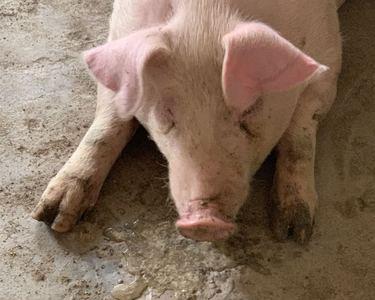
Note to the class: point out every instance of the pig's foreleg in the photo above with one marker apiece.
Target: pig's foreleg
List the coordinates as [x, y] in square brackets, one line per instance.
[294, 195]
[76, 186]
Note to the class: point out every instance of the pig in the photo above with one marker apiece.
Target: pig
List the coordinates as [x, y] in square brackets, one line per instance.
[218, 84]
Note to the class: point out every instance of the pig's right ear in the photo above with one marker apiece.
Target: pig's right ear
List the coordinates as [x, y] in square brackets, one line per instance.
[119, 65]
[259, 60]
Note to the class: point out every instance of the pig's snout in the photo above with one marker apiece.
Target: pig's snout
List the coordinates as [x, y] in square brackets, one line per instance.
[205, 224]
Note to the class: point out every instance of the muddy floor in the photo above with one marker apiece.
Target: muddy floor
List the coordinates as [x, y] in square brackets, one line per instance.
[47, 102]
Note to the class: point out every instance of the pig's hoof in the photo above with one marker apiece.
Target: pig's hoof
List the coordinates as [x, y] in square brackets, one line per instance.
[295, 221]
[64, 201]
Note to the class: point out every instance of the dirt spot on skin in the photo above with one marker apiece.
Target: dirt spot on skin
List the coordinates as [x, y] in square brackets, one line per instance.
[298, 149]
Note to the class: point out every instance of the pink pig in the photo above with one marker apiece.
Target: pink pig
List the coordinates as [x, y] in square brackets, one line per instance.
[217, 84]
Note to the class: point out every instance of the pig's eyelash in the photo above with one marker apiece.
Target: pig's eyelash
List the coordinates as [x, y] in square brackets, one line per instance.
[256, 107]
[170, 127]
[245, 128]
[172, 122]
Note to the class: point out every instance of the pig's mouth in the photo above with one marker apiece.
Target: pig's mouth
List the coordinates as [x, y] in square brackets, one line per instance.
[205, 224]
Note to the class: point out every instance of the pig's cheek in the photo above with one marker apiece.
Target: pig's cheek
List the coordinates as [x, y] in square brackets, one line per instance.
[178, 189]
[236, 188]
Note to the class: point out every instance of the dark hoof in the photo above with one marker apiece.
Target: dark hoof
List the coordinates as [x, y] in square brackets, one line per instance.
[294, 221]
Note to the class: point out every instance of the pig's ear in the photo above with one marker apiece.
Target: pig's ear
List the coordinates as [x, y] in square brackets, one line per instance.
[258, 60]
[119, 65]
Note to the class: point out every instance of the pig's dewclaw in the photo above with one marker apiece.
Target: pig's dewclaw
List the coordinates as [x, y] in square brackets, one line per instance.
[64, 201]
[294, 221]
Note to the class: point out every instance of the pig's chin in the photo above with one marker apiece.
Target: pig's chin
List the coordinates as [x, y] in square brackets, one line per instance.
[205, 222]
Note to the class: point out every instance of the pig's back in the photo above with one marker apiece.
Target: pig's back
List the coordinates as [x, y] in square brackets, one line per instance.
[310, 25]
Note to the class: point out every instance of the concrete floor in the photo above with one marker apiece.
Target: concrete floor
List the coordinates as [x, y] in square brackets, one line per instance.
[46, 104]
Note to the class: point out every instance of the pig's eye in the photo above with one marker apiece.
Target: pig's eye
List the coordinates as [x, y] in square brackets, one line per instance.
[246, 129]
[246, 122]
[166, 121]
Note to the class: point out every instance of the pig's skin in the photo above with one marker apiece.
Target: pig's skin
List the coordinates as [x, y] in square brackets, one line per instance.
[310, 25]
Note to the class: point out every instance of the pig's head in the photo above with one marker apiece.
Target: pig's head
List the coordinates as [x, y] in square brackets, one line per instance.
[201, 101]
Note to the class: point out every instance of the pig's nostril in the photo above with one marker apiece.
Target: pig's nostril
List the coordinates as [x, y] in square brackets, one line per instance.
[207, 228]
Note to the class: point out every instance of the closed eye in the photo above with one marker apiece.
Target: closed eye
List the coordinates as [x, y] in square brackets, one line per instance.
[169, 128]
[247, 116]
[169, 122]
[245, 128]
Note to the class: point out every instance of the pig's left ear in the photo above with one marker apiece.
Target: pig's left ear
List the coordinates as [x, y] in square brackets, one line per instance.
[119, 65]
[259, 60]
